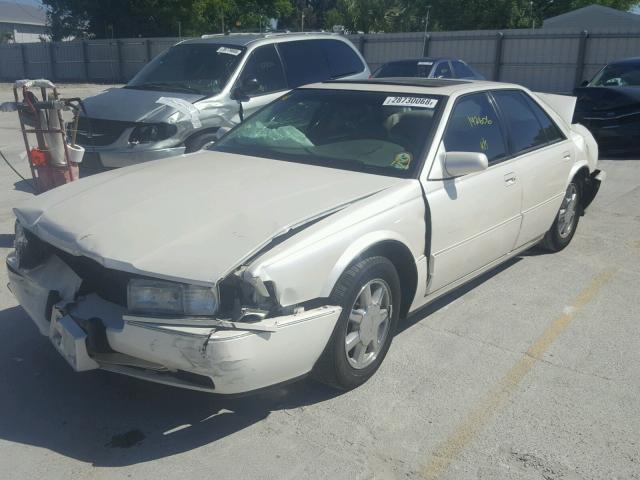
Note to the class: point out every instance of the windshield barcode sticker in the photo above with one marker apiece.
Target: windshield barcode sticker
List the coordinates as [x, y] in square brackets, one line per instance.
[229, 51]
[411, 102]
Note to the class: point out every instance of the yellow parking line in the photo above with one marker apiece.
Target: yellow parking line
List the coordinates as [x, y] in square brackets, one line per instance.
[465, 433]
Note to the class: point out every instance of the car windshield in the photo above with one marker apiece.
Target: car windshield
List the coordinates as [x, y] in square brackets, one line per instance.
[620, 75]
[202, 69]
[383, 133]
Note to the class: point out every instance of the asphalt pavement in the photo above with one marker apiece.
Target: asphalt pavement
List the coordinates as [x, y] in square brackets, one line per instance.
[530, 372]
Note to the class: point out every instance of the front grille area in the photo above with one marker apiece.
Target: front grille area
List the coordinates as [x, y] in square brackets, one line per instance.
[93, 132]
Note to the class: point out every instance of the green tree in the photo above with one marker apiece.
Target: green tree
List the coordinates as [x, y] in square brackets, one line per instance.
[495, 14]
[152, 18]
[149, 18]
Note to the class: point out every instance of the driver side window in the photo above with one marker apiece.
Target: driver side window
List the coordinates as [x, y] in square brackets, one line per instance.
[263, 74]
[474, 126]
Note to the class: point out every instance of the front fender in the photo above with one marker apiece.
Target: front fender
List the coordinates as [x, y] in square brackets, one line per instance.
[307, 265]
[356, 250]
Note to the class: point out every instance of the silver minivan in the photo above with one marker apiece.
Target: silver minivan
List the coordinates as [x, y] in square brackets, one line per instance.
[179, 100]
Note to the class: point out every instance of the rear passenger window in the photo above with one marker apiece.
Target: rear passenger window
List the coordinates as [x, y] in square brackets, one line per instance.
[305, 62]
[525, 130]
[462, 71]
[551, 130]
[474, 127]
[342, 59]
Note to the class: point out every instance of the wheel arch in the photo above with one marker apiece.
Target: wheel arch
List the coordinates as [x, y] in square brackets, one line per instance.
[198, 133]
[388, 246]
[581, 173]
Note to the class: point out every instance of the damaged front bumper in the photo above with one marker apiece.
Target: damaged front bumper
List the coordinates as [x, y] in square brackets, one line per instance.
[91, 333]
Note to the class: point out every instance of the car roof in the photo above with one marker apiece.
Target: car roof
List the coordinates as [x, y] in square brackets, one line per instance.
[433, 86]
[626, 61]
[420, 59]
[244, 39]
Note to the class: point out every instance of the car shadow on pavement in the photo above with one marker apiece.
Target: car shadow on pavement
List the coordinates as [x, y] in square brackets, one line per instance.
[111, 420]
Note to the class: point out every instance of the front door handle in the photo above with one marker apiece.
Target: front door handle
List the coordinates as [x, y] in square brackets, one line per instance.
[510, 179]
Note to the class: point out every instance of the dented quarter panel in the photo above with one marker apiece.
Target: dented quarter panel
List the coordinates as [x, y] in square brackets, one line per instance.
[320, 253]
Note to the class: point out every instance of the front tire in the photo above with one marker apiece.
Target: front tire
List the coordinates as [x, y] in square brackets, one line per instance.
[566, 222]
[369, 294]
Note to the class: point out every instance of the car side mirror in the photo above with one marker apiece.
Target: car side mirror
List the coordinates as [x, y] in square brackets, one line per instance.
[584, 83]
[238, 94]
[461, 163]
[221, 132]
[250, 86]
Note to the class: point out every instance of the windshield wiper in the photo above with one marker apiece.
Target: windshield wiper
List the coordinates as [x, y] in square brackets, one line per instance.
[165, 86]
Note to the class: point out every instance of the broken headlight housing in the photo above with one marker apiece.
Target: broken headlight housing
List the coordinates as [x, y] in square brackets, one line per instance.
[152, 132]
[159, 297]
[247, 299]
[30, 250]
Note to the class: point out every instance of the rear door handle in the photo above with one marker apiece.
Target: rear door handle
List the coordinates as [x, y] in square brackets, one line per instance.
[510, 179]
[566, 156]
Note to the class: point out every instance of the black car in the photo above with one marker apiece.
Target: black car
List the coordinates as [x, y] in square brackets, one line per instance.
[609, 106]
[427, 68]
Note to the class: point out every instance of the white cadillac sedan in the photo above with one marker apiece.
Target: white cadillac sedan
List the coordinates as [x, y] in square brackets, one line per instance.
[298, 244]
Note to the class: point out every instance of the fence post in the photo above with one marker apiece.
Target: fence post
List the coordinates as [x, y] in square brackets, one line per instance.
[52, 60]
[425, 46]
[23, 48]
[497, 60]
[120, 76]
[148, 49]
[582, 51]
[361, 42]
[85, 60]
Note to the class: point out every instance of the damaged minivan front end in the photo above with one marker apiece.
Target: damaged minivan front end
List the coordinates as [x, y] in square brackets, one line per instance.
[228, 339]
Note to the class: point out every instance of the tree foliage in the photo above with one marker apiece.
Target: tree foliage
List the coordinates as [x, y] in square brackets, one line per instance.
[410, 15]
[154, 18]
[150, 18]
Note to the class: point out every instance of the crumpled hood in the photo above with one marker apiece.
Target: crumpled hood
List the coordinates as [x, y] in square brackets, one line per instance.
[191, 218]
[132, 105]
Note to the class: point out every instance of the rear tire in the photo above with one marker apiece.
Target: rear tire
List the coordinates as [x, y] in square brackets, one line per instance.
[566, 222]
[368, 292]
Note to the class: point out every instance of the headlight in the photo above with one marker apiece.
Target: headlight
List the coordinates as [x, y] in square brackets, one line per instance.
[169, 298]
[152, 132]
